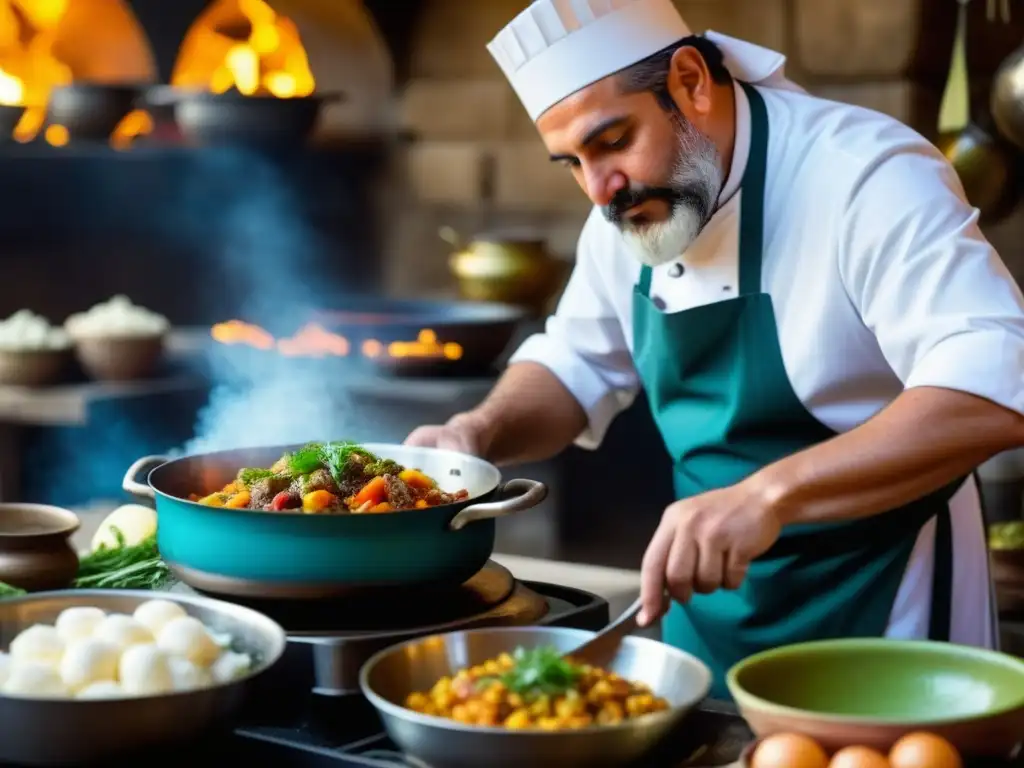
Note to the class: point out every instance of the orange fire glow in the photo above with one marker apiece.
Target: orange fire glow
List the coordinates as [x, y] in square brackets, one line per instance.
[313, 340]
[30, 68]
[246, 45]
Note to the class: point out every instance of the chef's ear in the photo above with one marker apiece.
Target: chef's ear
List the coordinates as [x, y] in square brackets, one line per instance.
[689, 81]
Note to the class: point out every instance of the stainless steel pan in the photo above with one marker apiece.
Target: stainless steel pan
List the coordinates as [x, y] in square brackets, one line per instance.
[389, 676]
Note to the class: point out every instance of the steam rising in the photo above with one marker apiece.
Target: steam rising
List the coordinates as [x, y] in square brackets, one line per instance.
[268, 255]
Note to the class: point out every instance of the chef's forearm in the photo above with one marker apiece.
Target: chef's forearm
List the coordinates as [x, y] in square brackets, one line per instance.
[528, 416]
[923, 440]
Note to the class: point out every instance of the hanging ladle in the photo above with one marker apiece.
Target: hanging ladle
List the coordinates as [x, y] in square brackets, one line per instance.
[983, 165]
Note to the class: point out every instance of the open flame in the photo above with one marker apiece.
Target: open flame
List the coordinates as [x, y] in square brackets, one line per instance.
[245, 45]
[313, 340]
[29, 68]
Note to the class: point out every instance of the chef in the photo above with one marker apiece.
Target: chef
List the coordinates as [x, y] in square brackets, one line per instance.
[828, 343]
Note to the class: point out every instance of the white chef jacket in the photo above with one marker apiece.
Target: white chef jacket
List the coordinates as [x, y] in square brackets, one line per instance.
[880, 279]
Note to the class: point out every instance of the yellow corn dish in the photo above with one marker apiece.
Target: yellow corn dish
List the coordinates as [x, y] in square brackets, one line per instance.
[536, 689]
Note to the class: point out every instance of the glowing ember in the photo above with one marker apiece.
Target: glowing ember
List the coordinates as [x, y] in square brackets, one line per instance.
[245, 45]
[313, 340]
[237, 332]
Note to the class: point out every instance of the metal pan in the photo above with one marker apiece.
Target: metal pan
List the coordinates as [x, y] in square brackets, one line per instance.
[70, 732]
[481, 331]
[389, 676]
[233, 118]
[290, 555]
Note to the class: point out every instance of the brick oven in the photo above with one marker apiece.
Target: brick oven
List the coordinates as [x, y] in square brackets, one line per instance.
[194, 231]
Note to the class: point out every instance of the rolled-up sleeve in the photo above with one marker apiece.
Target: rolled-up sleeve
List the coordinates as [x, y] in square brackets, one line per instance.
[942, 305]
[583, 342]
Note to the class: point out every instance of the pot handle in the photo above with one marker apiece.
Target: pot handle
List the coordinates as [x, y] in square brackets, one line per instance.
[133, 486]
[515, 495]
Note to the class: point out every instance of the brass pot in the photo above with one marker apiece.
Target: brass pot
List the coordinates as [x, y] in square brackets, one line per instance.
[985, 167]
[1007, 99]
[507, 269]
[35, 547]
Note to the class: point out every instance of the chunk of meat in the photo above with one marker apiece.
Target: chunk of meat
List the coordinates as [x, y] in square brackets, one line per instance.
[354, 476]
[262, 492]
[317, 480]
[399, 495]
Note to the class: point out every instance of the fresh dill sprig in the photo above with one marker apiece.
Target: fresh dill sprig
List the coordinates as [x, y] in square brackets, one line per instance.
[333, 456]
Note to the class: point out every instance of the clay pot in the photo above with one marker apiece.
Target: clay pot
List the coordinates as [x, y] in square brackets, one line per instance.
[35, 547]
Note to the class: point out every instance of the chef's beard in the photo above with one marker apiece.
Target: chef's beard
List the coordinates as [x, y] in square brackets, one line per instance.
[691, 192]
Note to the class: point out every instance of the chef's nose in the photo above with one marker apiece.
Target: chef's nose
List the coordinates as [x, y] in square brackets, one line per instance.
[601, 184]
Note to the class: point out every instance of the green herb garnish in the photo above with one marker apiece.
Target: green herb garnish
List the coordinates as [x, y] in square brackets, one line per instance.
[382, 467]
[540, 671]
[334, 457]
[252, 475]
[1003, 536]
[124, 567]
[6, 590]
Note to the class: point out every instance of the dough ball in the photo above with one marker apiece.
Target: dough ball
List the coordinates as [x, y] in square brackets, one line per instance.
[104, 689]
[35, 680]
[154, 614]
[187, 676]
[39, 643]
[144, 671]
[123, 631]
[89, 660]
[78, 622]
[187, 637]
[5, 668]
[230, 666]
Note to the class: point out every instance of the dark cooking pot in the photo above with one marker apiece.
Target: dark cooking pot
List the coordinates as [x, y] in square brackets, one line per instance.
[233, 118]
[294, 555]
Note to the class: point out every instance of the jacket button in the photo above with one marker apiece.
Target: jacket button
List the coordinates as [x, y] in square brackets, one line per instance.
[676, 270]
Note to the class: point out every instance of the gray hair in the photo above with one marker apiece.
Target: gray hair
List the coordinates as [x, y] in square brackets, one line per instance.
[651, 74]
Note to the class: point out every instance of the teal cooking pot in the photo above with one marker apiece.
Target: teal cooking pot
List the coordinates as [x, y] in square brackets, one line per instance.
[291, 555]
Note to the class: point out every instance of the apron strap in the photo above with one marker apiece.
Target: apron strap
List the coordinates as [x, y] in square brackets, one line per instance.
[752, 195]
[940, 623]
[644, 285]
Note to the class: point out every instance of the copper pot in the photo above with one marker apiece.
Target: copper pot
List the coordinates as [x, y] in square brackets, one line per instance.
[35, 547]
[509, 268]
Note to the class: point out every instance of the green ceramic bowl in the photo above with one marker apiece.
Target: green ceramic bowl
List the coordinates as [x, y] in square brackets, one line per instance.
[873, 691]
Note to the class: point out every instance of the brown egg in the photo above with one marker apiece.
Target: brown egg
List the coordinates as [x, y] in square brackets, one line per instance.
[788, 750]
[924, 750]
[858, 757]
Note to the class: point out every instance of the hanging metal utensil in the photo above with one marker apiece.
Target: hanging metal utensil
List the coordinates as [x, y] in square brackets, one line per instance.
[985, 167]
[1003, 10]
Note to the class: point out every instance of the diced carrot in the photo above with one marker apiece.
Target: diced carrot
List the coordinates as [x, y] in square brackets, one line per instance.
[382, 507]
[213, 500]
[421, 504]
[231, 488]
[374, 491]
[238, 501]
[317, 501]
[416, 479]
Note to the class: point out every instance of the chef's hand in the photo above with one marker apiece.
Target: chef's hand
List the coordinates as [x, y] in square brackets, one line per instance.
[703, 544]
[464, 432]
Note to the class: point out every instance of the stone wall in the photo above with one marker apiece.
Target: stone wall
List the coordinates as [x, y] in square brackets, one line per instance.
[478, 162]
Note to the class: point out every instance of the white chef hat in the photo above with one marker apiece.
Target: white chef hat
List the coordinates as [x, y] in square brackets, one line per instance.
[556, 47]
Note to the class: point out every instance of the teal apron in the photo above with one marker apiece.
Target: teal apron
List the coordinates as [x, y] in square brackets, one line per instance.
[722, 400]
